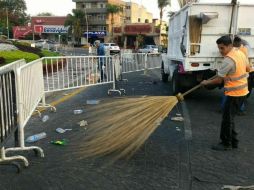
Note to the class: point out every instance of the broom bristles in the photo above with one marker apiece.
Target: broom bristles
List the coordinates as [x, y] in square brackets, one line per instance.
[121, 127]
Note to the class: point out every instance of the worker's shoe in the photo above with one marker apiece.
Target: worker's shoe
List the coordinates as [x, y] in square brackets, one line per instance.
[221, 147]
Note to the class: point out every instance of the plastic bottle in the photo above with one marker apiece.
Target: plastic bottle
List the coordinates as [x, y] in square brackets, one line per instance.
[45, 118]
[77, 112]
[36, 137]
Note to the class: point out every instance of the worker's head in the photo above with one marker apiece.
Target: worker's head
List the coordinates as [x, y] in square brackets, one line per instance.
[97, 43]
[224, 44]
[237, 41]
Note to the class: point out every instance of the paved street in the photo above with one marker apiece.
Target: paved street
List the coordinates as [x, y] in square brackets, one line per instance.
[176, 156]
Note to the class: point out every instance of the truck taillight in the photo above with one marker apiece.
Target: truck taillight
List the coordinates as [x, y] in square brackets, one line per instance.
[195, 64]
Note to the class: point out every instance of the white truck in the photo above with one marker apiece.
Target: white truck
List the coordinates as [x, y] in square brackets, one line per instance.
[192, 54]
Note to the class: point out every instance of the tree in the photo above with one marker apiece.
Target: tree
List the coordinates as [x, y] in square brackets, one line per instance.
[45, 14]
[162, 4]
[14, 10]
[112, 10]
[75, 22]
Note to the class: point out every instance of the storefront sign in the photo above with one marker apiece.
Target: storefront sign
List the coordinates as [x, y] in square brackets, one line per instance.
[137, 29]
[50, 29]
[92, 34]
[21, 31]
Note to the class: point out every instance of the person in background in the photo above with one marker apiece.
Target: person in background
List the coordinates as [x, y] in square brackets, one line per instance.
[241, 45]
[101, 61]
[233, 72]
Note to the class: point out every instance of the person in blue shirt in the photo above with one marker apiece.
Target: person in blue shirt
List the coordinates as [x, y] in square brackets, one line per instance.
[101, 60]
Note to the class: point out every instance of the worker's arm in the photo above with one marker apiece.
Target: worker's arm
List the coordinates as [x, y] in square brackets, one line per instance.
[248, 67]
[217, 80]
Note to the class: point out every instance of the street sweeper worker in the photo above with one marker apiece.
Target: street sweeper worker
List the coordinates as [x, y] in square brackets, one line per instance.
[242, 46]
[234, 73]
[101, 59]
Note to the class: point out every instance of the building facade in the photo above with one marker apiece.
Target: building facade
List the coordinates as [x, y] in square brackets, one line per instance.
[135, 13]
[100, 22]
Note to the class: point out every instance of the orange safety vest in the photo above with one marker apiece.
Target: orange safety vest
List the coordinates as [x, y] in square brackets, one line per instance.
[244, 49]
[236, 84]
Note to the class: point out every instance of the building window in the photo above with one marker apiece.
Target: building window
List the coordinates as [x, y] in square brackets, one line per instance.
[146, 20]
[128, 18]
[101, 17]
[86, 5]
[128, 7]
[139, 20]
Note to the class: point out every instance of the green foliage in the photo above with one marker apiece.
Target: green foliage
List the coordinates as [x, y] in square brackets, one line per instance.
[111, 10]
[26, 47]
[161, 5]
[76, 21]
[11, 56]
[16, 14]
[45, 14]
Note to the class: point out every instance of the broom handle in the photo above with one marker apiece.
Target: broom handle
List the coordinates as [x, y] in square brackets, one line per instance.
[196, 87]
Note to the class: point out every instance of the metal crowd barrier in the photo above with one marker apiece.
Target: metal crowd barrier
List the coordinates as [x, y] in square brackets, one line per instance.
[13, 66]
[69, 72]
[133, 62]
[31, 92]
[8, 115]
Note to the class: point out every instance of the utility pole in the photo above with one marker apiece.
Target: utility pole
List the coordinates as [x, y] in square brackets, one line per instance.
[7, 22]
[86, 26]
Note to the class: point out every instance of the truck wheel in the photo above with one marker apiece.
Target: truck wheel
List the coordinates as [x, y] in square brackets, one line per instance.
[164, 76]
[176, 88]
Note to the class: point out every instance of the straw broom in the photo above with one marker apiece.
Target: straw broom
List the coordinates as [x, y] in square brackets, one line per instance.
[121, 127]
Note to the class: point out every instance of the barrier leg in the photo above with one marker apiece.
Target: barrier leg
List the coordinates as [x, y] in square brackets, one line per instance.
[39, 113]
[44, 105]
[22, 147]
[4, 159]
[121, 90]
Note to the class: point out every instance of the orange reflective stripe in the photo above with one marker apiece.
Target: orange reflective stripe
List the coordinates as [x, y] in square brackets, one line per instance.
[236, 84]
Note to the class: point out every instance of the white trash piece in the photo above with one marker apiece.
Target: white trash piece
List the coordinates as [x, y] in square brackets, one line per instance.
[61, 130]
[77, 112]
[83, 123]
[36, 137]
[45, 118]
[92, 102]
[177, 118]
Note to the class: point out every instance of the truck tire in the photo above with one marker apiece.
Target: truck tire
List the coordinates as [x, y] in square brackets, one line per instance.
[175, 83]
[164, 76]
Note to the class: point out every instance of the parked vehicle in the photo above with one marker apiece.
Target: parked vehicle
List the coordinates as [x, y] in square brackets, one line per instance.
[192, 54]
[44, 44]
[113, 48]
[149, 49]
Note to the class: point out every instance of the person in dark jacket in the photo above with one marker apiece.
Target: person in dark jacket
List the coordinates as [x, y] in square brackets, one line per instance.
[101, 59]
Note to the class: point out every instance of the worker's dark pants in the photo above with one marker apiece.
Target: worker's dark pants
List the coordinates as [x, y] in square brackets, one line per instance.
[228, 135]
[102, 68]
